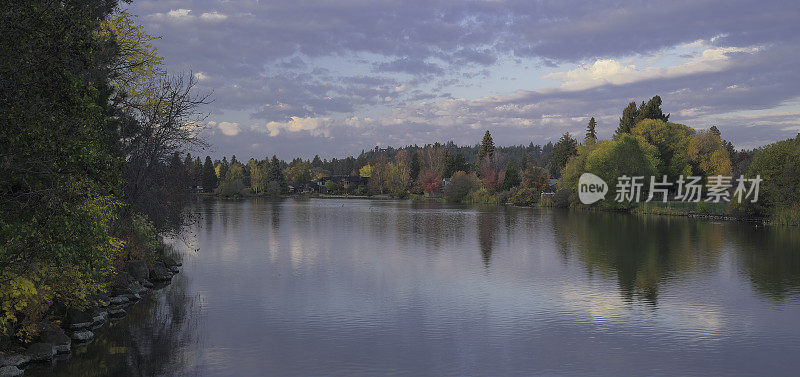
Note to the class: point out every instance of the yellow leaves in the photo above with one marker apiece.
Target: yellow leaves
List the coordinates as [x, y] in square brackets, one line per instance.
[24, 299]
[21, 300]
[708, 155]
[365, 171]
[140, 62]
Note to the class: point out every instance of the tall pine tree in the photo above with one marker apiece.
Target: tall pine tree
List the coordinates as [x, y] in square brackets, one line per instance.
[591, 132]
[487, 147]
[632, 115]
[208, 177]
[416, 165]
[628, 119]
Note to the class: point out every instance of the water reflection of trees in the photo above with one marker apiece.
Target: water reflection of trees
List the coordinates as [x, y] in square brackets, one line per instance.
[487, 223]
[154, 340]
[640, 251]
[770, 256]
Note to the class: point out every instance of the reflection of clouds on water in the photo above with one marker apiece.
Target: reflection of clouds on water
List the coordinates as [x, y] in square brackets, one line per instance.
[315, 287]
[299, 254]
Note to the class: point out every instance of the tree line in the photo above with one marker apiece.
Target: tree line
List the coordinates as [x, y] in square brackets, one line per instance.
[645, 143]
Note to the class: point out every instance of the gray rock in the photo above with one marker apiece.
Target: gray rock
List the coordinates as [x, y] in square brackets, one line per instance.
[117, 313]
[58, 338]
[159, 272]
[148, 284]
[122, 284]
[137, 289]
[99, 320]
[118, 300]
[41, 351]
[10, 371]
[100, 316]
[133, 297]
[138, 269]
[174, 269]
[14, 359]
[171, 261]
[77, 319]
[82, 336]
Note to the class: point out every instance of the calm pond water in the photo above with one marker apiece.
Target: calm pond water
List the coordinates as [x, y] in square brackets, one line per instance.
[365, 288]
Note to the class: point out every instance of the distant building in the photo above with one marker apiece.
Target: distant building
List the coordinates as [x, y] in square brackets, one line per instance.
[346, 181]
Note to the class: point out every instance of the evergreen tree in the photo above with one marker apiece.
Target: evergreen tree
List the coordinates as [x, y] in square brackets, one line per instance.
[223, 168]
[487, 147]
[208, 177]
[187, 162]
[651, 110]
[197, 168]
[565, 148]
[416, 165]
[628, 119]
[591, 132]
[632, 115]
[511, 178]
[275, 173]
[454, 163]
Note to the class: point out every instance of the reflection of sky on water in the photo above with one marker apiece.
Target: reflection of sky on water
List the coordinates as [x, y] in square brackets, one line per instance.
[350, 287]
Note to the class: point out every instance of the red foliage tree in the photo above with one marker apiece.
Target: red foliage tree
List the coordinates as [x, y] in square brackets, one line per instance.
[431, 182]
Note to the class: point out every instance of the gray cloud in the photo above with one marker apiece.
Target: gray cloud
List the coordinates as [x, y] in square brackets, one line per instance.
[281, 59]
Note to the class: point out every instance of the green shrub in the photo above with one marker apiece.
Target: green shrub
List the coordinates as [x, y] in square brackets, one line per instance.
[461, 184]
[401, 194]
[561, 198]
[786, 215]
[332, 187]
[141, 238]
[778, 164]
[231, 188]
[525, 197]
[481, 196]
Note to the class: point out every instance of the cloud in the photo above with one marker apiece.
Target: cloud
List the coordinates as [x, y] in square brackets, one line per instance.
[313, 126]
[229, 129]
[610, 71]
[200, 76]
[406, 65]
[413, 71]
[213, 16]
[174, 15]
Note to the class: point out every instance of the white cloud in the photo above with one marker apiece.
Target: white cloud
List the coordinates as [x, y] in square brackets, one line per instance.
[174, 15]
[213, 16]
[314, 126]
[610, 71]
[180, 13]
[185, 15]
[229, 128]
[200, 76]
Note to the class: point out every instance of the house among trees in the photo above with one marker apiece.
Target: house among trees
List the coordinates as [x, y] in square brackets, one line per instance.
[345, 182]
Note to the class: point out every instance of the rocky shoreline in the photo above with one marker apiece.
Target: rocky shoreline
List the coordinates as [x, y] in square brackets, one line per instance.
[75, 328]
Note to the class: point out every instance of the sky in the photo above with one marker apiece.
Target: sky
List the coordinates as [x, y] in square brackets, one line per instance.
[299, 78]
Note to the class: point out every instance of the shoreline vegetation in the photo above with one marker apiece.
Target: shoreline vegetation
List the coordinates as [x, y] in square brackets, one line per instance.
[91, 127]
[645, 144]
